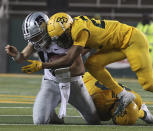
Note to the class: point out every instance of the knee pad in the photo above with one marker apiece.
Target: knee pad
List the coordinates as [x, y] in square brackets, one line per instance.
[149, 88]
[146, 83]
[145, 78]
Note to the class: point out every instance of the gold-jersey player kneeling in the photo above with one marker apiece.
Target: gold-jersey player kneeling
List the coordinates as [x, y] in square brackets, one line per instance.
[106, 103]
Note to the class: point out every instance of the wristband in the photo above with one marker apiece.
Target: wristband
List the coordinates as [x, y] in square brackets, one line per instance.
[17, 56]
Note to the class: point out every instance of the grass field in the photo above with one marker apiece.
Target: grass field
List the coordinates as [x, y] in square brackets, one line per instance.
[17, 94]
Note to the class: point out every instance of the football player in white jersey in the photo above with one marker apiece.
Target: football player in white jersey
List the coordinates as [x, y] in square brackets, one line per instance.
[56, 84]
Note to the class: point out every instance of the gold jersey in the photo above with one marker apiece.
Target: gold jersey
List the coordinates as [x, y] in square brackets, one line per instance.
[102, 34]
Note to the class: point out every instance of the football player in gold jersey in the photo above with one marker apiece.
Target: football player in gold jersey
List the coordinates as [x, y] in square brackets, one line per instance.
[113, 40]
[106, 101]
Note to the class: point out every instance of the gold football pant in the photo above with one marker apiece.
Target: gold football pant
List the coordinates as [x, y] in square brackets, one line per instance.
[139, 58]
[96, 63]
[137, 53]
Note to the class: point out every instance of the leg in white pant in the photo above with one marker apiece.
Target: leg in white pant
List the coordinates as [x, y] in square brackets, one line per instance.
[46, 102]
[82, 101]
[49, 97]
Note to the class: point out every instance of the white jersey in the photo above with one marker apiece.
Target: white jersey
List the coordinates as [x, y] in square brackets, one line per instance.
[53, 50]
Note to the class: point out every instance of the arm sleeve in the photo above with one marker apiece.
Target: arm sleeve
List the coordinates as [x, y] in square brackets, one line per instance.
[82, 38]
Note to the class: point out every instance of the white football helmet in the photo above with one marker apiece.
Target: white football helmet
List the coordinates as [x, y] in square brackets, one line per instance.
[34, 30]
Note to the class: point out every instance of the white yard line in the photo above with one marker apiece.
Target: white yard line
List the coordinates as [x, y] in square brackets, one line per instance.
[15, 115]
[53, 125]
[16, 124]
[31, 116]
[16, 107]
[32, 107]
[67, 125]
[29, 107]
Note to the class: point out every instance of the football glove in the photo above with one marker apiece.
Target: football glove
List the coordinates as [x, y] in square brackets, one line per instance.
[33, 67]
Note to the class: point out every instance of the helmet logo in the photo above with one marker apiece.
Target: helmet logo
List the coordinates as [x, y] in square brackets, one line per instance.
[62, 20]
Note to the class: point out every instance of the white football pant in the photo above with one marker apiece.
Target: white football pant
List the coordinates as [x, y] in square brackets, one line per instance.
[49, 97]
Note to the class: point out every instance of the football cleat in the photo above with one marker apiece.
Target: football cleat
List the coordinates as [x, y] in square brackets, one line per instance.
[148, 117]
[124, 99]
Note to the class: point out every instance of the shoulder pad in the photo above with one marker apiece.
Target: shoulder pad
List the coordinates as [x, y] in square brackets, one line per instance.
[78, 25]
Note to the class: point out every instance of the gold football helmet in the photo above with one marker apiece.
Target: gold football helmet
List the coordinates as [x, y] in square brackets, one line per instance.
[58, 26]
[129, 116]
[58, 23]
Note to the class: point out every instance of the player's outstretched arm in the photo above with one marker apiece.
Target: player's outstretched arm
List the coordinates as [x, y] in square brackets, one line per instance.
[19, 57]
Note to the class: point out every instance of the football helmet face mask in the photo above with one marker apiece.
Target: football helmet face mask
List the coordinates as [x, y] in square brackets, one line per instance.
[34, 30]
[59, 29]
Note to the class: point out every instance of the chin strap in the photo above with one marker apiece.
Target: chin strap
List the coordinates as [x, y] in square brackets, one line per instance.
[64, 77]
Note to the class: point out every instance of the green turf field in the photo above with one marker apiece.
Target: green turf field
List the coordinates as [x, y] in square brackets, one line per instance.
[17, 94]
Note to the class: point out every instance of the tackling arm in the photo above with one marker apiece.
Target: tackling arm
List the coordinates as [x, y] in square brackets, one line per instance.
[66, 60]
[77, 67]
[73, 53]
